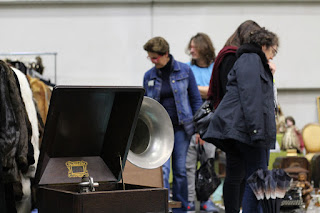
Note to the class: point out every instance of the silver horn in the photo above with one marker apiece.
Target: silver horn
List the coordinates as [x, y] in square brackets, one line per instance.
[153, 139]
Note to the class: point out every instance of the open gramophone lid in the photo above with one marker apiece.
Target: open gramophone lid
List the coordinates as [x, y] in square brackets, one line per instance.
[89, 131]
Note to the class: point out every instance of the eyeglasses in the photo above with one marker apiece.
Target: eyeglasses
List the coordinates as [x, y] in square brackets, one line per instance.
[154, 59]
[274, 51]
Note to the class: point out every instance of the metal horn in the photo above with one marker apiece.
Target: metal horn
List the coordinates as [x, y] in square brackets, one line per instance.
[153, 139]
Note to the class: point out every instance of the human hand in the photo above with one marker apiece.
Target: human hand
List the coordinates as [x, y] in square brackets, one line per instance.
[272, 67]
[199, 140]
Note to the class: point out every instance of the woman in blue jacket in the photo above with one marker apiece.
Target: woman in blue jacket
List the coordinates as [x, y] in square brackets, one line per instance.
[244, 122]
[173, 84]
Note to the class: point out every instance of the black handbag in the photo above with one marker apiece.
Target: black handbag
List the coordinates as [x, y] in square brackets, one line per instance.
[203, 116]
[207, 180]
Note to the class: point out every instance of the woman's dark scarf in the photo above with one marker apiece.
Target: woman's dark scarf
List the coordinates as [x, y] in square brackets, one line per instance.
[253, 48]
[214, 87]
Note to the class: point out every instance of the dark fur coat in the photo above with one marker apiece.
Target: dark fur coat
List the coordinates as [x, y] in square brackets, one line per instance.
[14, 134]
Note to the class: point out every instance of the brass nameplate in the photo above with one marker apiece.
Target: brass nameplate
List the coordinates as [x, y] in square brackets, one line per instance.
[77, 169]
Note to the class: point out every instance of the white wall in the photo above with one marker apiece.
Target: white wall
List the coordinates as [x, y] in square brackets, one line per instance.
[301, 104]
[96, 44]
[101, 43]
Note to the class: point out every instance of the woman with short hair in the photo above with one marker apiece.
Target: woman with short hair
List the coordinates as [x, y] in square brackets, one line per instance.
[172, 83]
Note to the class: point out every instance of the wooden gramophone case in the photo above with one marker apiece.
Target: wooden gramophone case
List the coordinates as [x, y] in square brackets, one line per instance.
[89, 132]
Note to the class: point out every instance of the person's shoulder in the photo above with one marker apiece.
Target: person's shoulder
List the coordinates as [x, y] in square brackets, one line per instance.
[182, 66]
[191, 66]
[152, 69]
[248, 58]
[230, 57]
[211, 65]
[250, 61]
[148, 72]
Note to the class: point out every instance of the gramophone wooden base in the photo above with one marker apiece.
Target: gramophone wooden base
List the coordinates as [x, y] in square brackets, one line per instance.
[111, 199]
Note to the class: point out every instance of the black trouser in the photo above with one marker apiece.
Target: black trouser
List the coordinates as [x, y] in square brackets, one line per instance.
[242, 161]
[234, 183]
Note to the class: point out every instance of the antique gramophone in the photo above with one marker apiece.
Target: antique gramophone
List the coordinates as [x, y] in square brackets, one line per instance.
[88, 135]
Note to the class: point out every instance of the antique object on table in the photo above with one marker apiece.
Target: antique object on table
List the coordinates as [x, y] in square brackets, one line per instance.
[293, 165]
[315, 170]
[290, 140]
[318, 108]
[151, 146]
[317, 194]
[280, 121]
[294, 171]
[87, 185]
[269, 187]
[292, 152]
[306, 188]
[292, 199]
[144, 177]
[88, 133]
[311, 138]
[152, 143]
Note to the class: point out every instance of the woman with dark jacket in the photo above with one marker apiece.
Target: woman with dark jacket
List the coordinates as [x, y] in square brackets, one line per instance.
[234, 182]
[244, 122]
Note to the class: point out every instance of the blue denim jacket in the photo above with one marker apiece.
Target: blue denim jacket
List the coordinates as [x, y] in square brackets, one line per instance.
[185, 91]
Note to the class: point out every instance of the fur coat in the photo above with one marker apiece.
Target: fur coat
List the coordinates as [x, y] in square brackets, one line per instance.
[9, 129]
[42, 94]
[27, 97]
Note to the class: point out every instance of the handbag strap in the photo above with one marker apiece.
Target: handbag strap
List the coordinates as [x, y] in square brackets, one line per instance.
[201, 154]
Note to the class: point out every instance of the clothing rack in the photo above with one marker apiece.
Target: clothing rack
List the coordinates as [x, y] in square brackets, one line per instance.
[54, 54]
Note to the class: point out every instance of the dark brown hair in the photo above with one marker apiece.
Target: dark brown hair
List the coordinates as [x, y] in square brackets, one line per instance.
[263, 37]
[157, 45]
[204, 46]
[241, 35]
